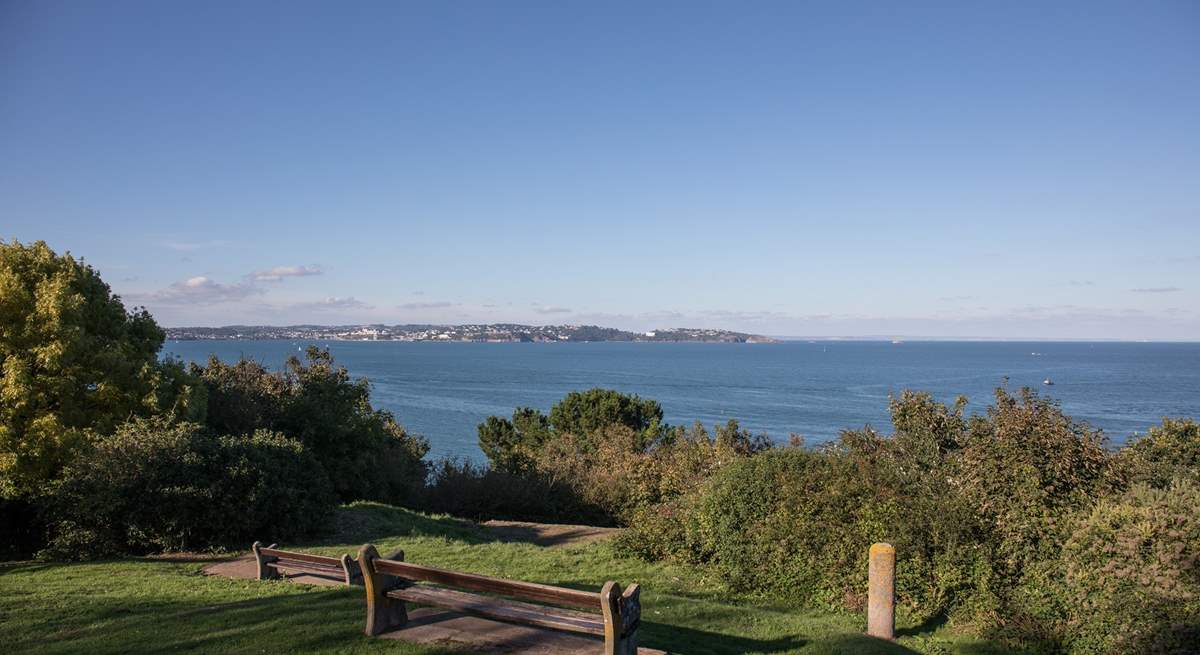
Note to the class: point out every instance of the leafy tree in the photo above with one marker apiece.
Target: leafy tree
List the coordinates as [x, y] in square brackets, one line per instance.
[74, 363]
[513, 445]
[583, 413]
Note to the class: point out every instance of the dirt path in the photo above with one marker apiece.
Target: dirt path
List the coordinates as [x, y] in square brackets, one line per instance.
[546, 534]
[244, 568]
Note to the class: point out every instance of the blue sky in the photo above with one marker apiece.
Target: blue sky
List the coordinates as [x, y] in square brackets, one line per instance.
[799, 168]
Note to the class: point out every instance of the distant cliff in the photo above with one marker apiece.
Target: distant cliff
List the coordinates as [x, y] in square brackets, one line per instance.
[497, 332]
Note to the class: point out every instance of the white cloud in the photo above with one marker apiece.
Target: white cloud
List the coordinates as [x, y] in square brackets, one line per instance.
[546, 309]
[279, 272]
[199, 290]
[1156, 290]
[427, 305]
[203, 290]
[331, 303]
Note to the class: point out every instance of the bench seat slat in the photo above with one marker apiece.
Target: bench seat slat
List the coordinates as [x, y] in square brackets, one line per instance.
[527, 590]
[502, 609]
[306, 566]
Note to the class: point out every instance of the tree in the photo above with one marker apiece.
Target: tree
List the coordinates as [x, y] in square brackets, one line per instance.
[583, 413]
[74, 363]
[513, 445]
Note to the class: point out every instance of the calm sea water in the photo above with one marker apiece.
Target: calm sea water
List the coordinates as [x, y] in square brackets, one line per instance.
[443, 390]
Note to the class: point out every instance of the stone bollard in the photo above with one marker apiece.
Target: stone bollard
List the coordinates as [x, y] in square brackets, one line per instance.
[881, 592]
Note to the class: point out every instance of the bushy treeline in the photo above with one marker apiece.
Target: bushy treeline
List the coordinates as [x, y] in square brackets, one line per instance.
[1020, 523]
[105, 448]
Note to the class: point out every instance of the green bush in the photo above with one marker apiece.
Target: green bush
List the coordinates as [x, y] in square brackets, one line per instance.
[367, 454]
[513, 445]
[154, 486]
[977, 508]
[1164, 453]
[478, 492]
[1132, 573]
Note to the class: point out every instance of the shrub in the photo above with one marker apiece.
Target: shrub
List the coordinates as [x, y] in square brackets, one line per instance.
[154, 486]
[478, 492]
[603, 478]
[1166, 452]
[1132, 568]
[367, 454]
[975, 507]
[1024, 469]
[514, 445]
[612, 471]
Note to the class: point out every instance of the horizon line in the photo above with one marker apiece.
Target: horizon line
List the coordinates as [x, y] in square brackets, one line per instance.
[781, 337]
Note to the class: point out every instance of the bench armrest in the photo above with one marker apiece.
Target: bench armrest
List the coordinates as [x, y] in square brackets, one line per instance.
[622, 617]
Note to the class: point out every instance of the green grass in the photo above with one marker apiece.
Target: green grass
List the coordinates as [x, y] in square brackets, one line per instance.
[144, 605]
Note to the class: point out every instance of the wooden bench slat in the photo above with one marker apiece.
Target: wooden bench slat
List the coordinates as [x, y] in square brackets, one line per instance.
[527, 590]
[301, 557]
[306, 566]
[502, 609]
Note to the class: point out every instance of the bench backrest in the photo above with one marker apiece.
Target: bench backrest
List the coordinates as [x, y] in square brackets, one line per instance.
[532, 591]
[621, 609]
[270, 557]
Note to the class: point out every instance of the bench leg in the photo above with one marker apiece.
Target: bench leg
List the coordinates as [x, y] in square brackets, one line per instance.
[264, 572]
[383, 613]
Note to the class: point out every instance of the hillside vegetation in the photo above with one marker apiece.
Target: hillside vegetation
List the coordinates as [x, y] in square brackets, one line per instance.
[152, 605]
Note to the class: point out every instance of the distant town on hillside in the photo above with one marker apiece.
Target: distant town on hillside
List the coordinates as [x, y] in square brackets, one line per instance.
[495, 332]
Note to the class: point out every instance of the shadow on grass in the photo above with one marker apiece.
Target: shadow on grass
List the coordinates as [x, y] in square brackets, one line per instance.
[322, 621]
[927, 626]
[365, 522]
[866, 645]
[680, 639]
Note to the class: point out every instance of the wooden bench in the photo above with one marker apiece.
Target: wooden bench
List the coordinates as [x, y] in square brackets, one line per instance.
[271, 561]
[612, 613]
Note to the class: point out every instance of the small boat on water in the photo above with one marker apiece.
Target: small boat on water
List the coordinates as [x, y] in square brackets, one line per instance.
[1048, 382]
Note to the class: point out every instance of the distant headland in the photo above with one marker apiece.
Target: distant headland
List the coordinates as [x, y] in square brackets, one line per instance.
[492, 332]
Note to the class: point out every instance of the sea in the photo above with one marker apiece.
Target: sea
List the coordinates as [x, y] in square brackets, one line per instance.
[814, 389]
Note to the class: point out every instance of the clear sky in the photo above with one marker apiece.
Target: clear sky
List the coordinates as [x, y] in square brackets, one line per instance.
[1004, 169]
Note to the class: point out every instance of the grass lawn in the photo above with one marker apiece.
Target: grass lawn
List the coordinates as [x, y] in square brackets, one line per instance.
[153, 605]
